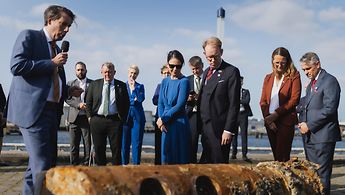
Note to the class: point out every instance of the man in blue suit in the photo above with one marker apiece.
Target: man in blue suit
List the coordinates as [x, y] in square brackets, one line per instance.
[38, 89]
[319, 123]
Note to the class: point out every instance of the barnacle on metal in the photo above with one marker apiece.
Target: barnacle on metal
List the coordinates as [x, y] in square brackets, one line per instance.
[293, 177]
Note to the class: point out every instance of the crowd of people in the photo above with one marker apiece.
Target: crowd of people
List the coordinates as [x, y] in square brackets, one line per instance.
[210, 105]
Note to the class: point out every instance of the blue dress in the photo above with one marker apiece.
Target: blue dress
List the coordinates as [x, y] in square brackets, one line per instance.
[176, 143]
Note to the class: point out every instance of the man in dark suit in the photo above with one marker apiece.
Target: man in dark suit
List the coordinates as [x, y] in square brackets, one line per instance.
[38, 89]
[107, 105]
[196, 65]
[319, 118]
[219, 103]
[77, 121]
[242, 122]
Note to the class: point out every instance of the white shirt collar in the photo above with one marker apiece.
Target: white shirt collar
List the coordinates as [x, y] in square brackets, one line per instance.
[82, 81]
[47, 34]
[195, 76]
[318, 74]
[111, 83]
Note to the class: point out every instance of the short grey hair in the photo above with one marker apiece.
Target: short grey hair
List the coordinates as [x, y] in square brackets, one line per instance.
[134, 67]
[310, 58]
[108, 65]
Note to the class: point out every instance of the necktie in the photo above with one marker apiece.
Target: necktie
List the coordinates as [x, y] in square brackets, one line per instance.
[106, 99]
[209, 73]
[56, 85]
[313, 85]
[197, 82]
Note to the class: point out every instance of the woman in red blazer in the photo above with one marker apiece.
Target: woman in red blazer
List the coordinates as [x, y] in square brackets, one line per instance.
[281, 92]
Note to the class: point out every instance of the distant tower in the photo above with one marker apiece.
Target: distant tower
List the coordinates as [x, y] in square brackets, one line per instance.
[220, 23]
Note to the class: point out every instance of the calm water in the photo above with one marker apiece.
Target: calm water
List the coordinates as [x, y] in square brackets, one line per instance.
[63, 138]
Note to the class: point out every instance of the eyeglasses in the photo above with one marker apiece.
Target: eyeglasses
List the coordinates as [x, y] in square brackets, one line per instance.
[177, 66]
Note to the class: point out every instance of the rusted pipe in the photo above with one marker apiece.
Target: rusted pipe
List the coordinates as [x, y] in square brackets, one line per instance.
[293, 177]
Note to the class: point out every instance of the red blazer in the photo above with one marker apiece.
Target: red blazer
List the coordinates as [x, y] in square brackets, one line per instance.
[289, 95]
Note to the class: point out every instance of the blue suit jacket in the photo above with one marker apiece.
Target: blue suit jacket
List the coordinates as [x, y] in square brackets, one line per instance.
[321, 110]
[136, 99]
[32, 70]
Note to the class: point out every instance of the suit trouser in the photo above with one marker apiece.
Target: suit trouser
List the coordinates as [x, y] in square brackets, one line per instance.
[158, 143]
[40, 143]
[79, 129]
[101, 129]
[213, 151]
[133, 132]
[281, 141]
[242, 123]
[322, 154]
[195, 136]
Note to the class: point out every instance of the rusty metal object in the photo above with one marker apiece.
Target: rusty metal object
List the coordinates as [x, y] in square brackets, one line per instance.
[293, 177]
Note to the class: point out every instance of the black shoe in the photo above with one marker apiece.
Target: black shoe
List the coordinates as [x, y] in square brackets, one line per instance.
[233, 157]
[3, 164]
[245, 158]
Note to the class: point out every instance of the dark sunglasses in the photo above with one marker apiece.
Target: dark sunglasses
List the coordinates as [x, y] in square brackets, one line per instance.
[177, 66]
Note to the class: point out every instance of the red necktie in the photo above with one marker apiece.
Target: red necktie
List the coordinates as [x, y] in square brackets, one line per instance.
[56, 84]
[209, 73]
[313, 84]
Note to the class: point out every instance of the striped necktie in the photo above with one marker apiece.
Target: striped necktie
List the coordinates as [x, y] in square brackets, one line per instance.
[106, 99]
[56, 84]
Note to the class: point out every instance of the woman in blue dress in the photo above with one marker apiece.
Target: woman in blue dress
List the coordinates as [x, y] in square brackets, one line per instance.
[133, 128]
[173, 120]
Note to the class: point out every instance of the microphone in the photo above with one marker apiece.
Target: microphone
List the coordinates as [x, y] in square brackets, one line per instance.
[65, 46]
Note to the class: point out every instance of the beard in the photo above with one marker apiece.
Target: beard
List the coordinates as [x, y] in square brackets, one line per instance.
[81, 76]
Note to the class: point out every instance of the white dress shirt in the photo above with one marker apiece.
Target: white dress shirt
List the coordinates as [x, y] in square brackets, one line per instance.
[112, 103]
[275, 94]
[50, 97]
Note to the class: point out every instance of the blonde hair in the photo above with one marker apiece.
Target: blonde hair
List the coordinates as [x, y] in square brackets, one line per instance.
[134, 67]
[212, 41]
[290, 68]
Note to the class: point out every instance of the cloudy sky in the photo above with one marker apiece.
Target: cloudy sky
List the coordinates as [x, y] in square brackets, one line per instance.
[142, 33]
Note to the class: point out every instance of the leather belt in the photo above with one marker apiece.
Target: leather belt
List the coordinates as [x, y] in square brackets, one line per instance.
[113, 116]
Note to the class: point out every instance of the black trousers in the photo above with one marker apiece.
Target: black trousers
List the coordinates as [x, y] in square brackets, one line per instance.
[102, 128]
[242, 123]
[195, 132]
[158, 144]
[213, 152]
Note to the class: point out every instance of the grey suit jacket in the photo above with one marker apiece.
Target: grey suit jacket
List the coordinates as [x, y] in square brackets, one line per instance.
[321, 110]
[74, 102]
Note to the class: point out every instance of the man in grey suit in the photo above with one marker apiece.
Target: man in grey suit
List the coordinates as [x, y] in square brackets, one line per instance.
[219, 103]
[319, 123]
[77, 120]
[38, 89]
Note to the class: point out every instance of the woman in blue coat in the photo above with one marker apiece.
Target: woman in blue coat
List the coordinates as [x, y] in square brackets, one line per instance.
[133, 129]
[173, 120]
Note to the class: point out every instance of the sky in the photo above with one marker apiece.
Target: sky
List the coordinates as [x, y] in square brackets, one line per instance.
[143, 32]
